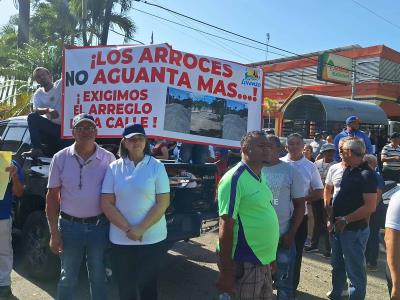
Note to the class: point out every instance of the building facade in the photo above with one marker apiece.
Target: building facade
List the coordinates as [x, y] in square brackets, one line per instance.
[377, 80]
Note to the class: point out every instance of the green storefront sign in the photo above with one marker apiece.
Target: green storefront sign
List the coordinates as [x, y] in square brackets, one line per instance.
[334, 68]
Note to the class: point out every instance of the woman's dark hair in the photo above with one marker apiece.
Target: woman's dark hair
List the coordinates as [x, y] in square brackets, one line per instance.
[123, 152]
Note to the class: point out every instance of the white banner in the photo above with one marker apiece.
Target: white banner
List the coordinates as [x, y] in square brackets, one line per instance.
[173, 94]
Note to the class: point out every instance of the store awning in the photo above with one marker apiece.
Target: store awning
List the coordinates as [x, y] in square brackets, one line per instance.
[321, 108]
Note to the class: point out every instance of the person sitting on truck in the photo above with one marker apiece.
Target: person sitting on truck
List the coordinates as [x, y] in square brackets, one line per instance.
[45, 119]
[390, 156]
[77, 224]
[15, 187]
[138, 226]
[352, 129]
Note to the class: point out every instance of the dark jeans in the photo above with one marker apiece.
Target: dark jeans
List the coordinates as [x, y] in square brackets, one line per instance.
[42, 130]
[320, 220]
[198, 154]
[136, 268]
[389, 174]
[300, 239]
[375, 222]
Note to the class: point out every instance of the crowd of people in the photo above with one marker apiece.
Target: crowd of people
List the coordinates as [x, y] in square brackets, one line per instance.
[263, 204]
[340, 181]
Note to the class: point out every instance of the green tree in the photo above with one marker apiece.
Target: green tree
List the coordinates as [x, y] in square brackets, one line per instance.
[53, 22]
[51, 25]
[102, 15]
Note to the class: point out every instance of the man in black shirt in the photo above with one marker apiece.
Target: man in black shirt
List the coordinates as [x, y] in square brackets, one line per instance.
[352, 206]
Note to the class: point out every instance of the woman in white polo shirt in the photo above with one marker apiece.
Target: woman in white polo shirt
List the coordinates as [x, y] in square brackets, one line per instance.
[135, 196]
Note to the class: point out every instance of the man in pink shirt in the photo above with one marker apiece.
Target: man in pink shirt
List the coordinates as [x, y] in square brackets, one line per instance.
[77, 224]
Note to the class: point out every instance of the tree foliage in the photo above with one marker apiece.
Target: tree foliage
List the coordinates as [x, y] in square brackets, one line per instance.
[53, 24]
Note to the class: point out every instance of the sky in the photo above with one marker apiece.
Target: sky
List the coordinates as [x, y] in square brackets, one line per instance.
[299, 26]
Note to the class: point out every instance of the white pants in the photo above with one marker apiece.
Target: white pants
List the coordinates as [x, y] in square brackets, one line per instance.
[6, 252]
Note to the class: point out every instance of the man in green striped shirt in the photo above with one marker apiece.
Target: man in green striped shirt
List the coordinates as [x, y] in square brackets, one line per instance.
[249, 228]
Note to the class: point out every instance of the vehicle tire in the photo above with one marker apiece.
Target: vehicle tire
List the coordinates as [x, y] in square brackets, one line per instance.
[40, 262]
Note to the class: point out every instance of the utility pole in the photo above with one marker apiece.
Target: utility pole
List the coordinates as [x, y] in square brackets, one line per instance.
[266, 50]
[354, 79]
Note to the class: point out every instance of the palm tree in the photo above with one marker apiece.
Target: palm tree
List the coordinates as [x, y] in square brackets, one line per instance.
[101, 17]
[24, 7]
[53, 22]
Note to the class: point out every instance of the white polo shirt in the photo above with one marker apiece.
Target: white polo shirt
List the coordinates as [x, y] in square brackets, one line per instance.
[50, 99]
[334, 177]
[393, 213]
[309, 172]
[135, 189]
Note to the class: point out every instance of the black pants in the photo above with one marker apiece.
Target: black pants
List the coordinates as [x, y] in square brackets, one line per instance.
[389, 174]
[136, 268]
[42, 130]
[319, 228]
[300, 239]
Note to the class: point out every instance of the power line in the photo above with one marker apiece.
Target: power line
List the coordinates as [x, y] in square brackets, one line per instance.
[123, 35]
[220, 44]
[253, 40]
[376, 14]
[208, 33]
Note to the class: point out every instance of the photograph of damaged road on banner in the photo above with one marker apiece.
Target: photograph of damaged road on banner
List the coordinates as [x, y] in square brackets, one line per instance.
[199, 114]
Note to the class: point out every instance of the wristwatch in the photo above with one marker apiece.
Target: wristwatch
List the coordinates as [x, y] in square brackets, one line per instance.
[345, 220]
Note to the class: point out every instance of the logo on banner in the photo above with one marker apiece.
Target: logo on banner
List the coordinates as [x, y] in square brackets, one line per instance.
[251, 77]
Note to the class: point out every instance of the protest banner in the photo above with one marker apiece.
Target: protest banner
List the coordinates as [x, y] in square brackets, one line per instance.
[173, 94]
[5, 161]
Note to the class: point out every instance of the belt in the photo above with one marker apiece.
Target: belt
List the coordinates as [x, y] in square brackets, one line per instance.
[89, 220]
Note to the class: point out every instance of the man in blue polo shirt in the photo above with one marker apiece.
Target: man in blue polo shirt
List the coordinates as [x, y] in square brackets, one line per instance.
[14, 187]
[352, 130]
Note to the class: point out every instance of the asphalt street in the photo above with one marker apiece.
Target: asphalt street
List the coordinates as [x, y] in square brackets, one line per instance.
[190, 273]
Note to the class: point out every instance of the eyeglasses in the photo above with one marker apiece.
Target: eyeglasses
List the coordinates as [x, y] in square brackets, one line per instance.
[88, 129]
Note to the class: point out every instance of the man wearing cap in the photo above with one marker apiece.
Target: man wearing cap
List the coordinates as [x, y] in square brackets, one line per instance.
[44, 122]
[316, 144]
[352, 130]
[77, 224]
[390, 156]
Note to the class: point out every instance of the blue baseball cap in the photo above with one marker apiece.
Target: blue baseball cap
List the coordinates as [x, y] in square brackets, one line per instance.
[352, 119]
[83, 118]
[131, 130]
[327, 147]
